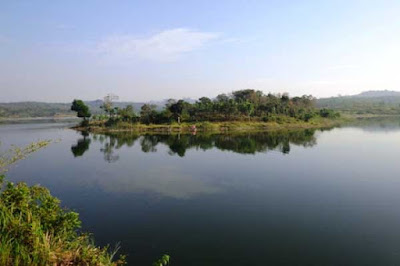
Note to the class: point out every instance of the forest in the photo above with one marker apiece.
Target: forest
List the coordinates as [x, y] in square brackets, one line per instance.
[365, 103]
[238, 105]
[243, 105]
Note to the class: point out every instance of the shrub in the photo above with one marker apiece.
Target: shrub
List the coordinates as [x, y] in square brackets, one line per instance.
[328, 113]
[35, 230]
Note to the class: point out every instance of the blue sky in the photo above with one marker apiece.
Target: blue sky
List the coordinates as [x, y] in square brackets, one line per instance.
[152, 50]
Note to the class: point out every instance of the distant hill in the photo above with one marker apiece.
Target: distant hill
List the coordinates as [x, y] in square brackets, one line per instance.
[42, 109]
[34, 109]
[377, 94]
[368, 102]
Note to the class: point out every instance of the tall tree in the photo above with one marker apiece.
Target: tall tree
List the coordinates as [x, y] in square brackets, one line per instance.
[177, 109]
[147, 113]
[108, 104]
[81, 108]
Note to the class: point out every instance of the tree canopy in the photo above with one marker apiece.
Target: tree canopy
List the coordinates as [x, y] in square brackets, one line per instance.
[81, 108]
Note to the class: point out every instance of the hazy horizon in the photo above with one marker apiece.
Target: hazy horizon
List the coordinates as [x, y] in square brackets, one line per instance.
[184, 98]
[52, 52]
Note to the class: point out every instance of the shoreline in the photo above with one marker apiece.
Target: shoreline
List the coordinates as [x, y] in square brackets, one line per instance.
[216, 127]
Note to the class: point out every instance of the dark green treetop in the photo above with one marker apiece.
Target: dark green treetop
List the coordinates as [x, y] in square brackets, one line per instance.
[81, 108]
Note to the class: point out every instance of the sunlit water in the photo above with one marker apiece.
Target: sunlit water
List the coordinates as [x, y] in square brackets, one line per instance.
[296, 198]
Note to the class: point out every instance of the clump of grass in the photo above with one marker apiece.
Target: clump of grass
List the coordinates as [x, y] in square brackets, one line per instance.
[207, 126]
[14, 154]
[163, 261]
[35, 230]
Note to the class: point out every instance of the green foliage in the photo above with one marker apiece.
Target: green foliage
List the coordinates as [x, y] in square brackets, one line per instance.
[127, 114]
[148, 113]
[241, 105]
[367, 103]
[35, 230]
[41, 109]
[163, 261]
[108, 104]
[177, 109]
[34, 109]
[81, 108]
[328, 113]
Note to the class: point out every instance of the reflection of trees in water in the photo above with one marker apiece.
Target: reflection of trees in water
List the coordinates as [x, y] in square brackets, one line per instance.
[112, 142]
[250, 143]
[108, 151]
[244, 143]
[81, 146]
[149, 143]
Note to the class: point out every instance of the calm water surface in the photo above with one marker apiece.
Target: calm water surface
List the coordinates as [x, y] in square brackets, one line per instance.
[296, 198]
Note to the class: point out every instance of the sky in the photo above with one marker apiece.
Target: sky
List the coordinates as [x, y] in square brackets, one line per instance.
[55, 51]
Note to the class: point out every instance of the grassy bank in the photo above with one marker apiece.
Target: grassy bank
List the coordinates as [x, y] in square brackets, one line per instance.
[35, 230]
[231, 126]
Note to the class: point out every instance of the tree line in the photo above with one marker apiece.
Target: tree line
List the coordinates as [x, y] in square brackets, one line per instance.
[241, 105]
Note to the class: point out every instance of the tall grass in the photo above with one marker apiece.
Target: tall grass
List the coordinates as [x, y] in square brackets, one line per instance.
[35, 230]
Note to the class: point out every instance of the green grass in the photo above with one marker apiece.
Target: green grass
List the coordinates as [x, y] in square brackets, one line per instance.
[35, 230]
[278, 123]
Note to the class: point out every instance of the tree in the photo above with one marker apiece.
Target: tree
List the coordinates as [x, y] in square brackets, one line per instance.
[148, 113]
[108, 104]
[81, 108]
[246, 108]
[177, 109]
[127, 114]
[222, 98]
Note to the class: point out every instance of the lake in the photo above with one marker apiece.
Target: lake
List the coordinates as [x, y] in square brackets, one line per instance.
[307, 197]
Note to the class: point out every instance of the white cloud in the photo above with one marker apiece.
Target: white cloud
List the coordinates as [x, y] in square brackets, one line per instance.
[167, 45]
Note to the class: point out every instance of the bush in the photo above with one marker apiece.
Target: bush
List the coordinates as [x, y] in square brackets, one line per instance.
[307, 116]
[35, 230]
[328, 113]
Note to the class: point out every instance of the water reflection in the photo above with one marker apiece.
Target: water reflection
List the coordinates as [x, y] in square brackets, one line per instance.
[81, 146]
[242, 202]
[178, 144]
[377, 124]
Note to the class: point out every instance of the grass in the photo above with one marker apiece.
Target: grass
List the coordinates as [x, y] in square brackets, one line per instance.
[280, 122]
[35, 230]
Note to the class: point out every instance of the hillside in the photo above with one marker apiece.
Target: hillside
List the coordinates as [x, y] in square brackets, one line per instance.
[368, 102]
[42, 109]
[377, 94]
